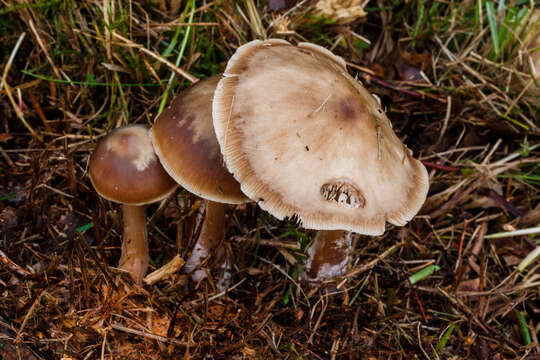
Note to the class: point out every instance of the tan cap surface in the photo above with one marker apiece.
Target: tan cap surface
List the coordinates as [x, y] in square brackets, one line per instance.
[124, 168]
[307, 141]
[185, 142]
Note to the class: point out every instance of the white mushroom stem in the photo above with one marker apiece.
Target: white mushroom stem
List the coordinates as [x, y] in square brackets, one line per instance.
[212, 233]
[328, 255]
[135, 256]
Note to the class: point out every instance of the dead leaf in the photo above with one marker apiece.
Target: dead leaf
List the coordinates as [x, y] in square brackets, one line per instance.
[469, 285]
[5, 137]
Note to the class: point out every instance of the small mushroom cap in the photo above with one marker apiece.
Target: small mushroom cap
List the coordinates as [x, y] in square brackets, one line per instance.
[124, 168]
[307, 141]
[185, 142]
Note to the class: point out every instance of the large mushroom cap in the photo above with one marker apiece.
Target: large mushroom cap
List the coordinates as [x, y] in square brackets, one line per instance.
[124, 168]
[307, 141]
[184, 139]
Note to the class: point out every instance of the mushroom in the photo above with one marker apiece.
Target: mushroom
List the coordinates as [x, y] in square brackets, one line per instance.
[185, 142]
[308, 142]
[124, 169]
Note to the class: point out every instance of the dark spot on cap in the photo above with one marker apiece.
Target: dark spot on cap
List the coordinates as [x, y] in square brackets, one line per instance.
[190, 119]
[307, 148]
[350, 108]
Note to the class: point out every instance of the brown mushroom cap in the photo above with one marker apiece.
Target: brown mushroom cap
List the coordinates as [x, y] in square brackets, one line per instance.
[185, 142]
[124, 168]
[308, 141]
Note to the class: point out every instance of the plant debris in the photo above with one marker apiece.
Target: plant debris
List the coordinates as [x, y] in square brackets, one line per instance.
[455, 80]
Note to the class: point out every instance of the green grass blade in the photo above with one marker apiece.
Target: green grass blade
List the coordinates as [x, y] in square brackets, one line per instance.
[524, 328]
[27, 5]
[501, 6]
[423, 274]
[529, 259]
[7, 197]
[529, 231]
[445, 338]
[421, 11]
[85, 227]
[493, 27]
[91, 81]
[505, 35]
[180, 55]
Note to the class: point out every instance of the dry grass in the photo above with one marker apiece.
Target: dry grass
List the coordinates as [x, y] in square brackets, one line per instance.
[459, 93]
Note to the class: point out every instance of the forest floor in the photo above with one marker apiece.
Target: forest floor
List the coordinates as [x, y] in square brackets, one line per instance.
[454, 79]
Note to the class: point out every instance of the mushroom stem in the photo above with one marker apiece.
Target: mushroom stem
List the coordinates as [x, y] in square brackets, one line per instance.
[328, 255]
[134, 258]
[212, 233]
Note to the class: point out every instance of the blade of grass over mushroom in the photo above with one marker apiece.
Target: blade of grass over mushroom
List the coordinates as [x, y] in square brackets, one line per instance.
[423, 274]
[187, 32]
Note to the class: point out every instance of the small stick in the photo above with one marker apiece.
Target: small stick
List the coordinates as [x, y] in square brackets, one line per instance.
[298, 343]
[421, 306]
[460, 248]
[149, 335]
[165, 271]
[446, 119]
[18, 111]
[96, 260]
[11, 58]
[318, 323]
[477, 247]
[412, 93]
[40, 42]
[39, 111]
[27, 316]
[7, 158]
[440, 167]
[17, 268]
[370, 265]
[178, 70]
[529, 231]
[280, 243]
